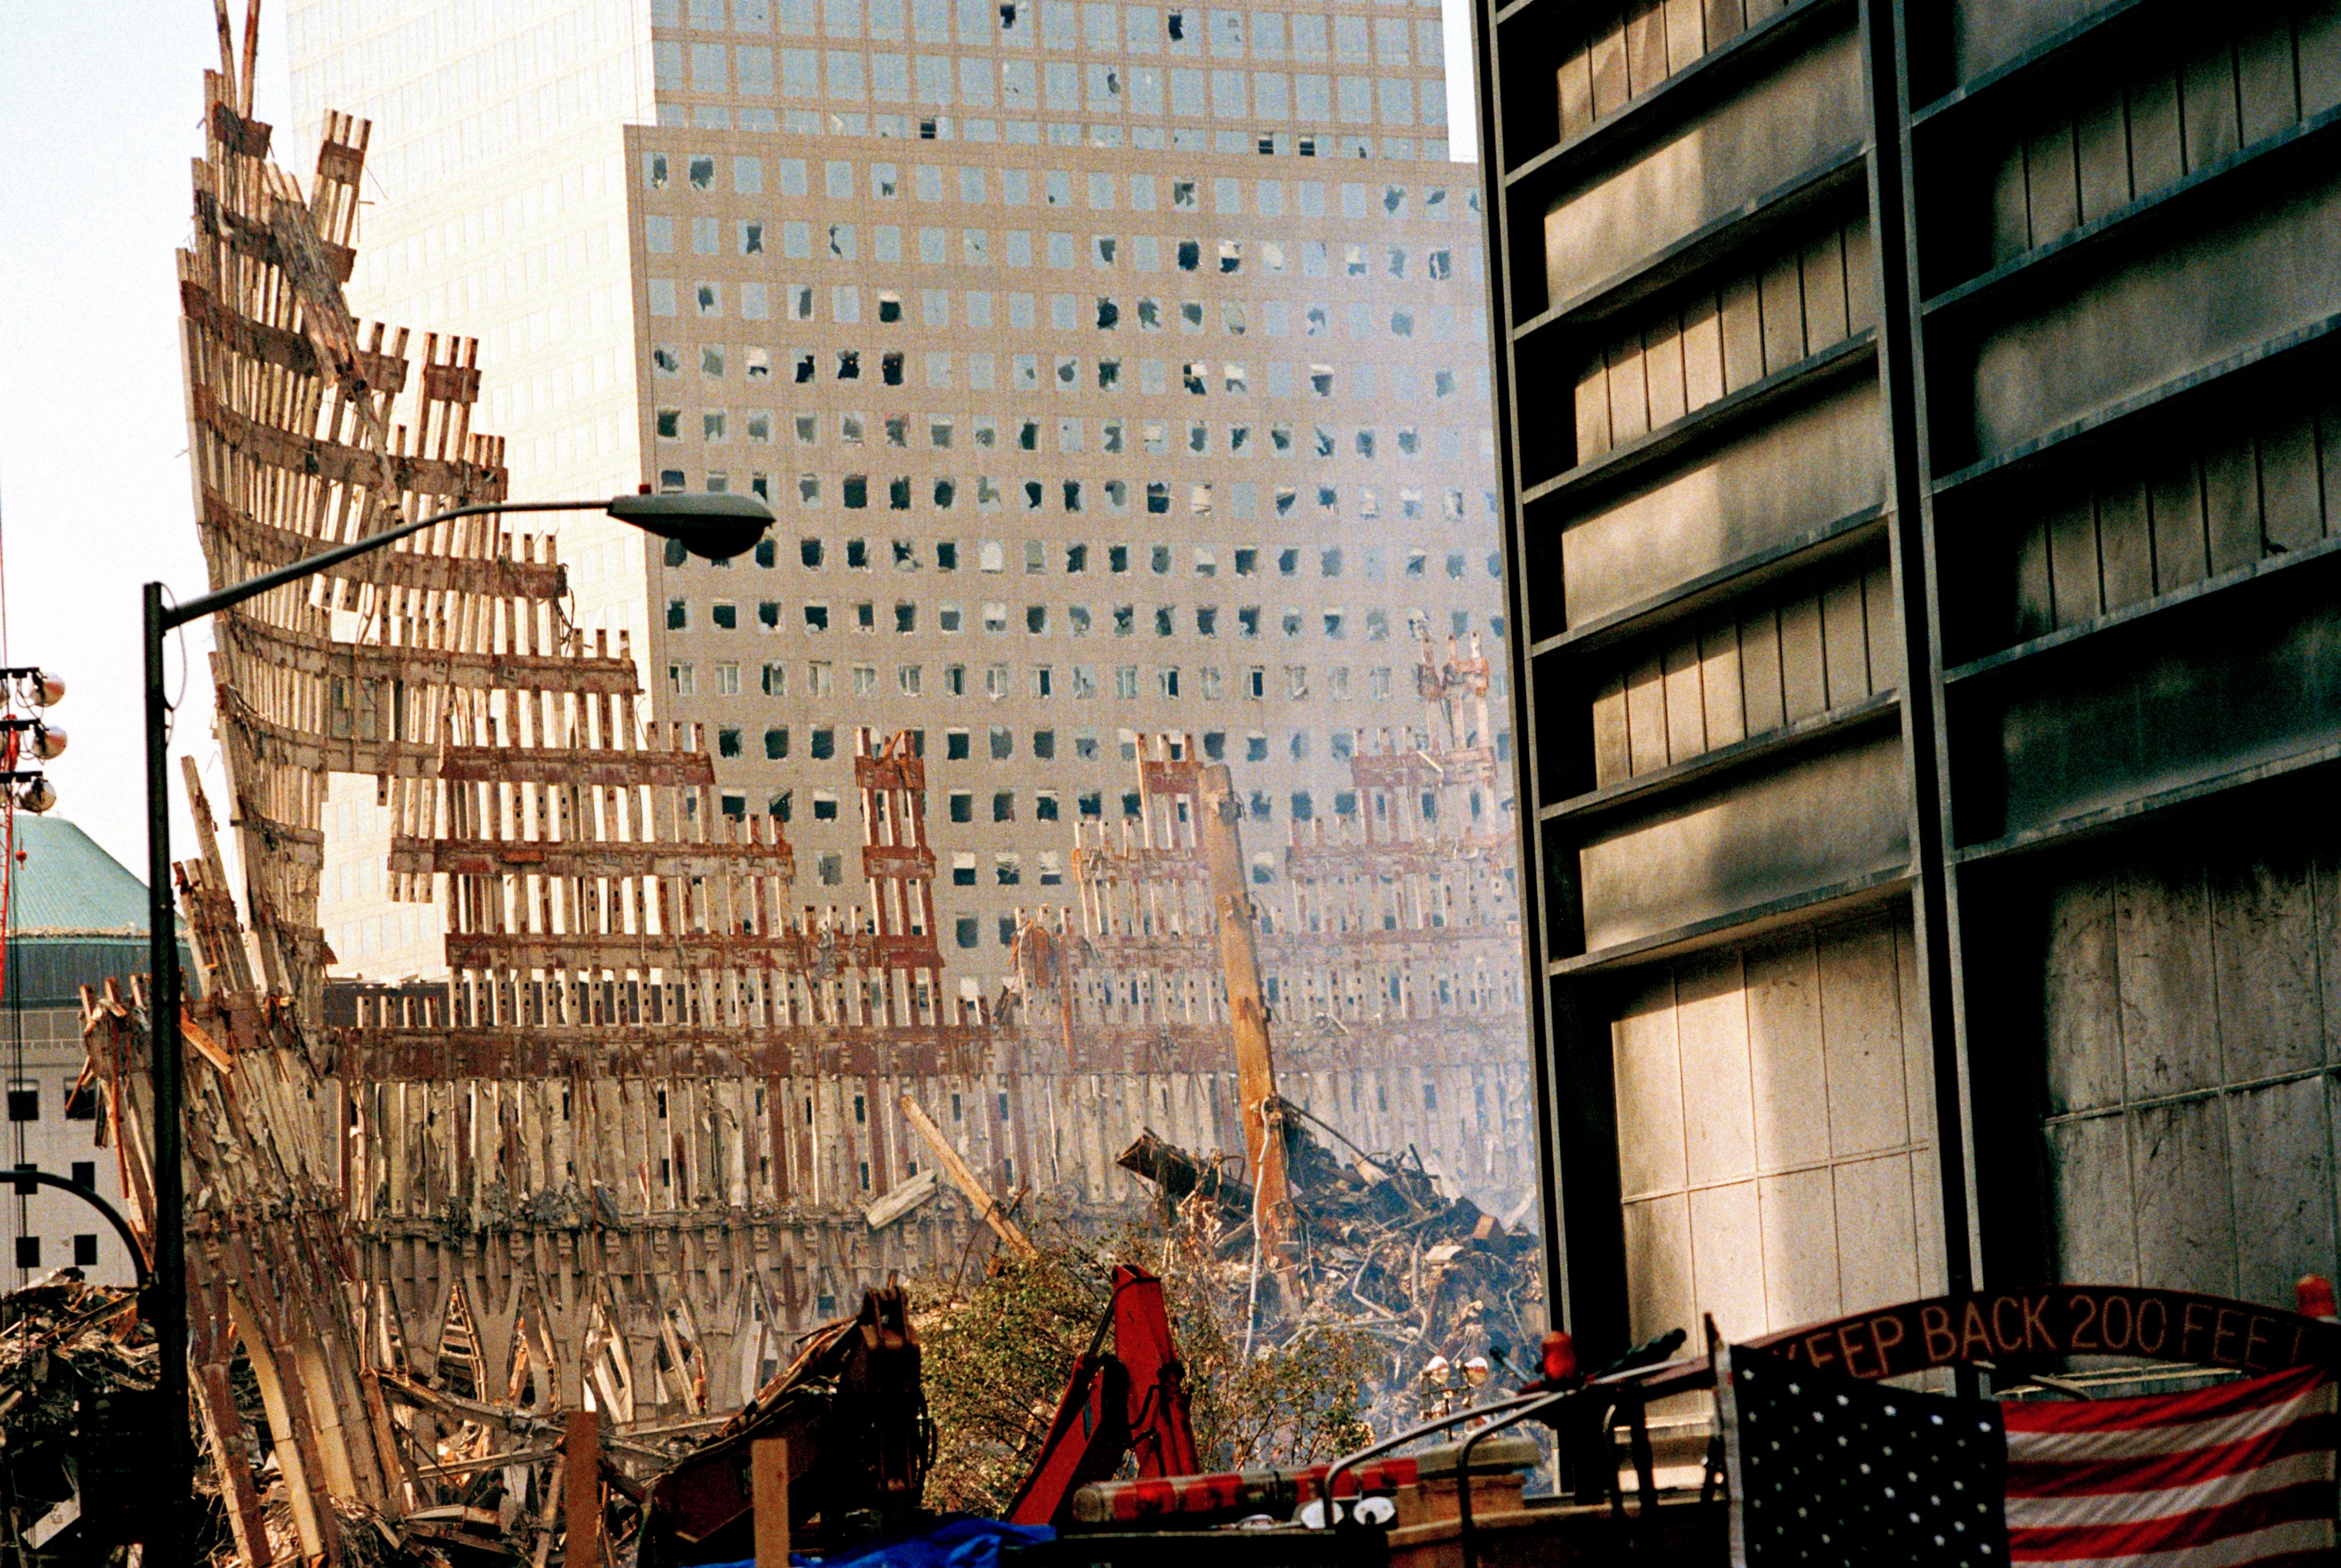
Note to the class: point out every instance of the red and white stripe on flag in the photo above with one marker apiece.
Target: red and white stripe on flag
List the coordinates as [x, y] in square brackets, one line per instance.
[2234, 1475]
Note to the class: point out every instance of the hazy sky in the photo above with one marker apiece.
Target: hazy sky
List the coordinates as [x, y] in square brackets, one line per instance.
[100, 115]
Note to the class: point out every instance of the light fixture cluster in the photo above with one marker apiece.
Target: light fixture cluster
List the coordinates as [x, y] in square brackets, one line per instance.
[27, 738]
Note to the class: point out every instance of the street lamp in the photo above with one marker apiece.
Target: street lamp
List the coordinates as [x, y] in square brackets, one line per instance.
[713, 527]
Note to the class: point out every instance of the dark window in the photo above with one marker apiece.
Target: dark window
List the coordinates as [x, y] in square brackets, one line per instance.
[25, 1103]
[857, 554]
[824, 809]
[1215, 745]
[1044, 744]
[824, 745]
[861, 1109]
[767, 552]
[678, 615]
[1131, 805]
[776, 743]
[28, 1252]
[947, 556]
[1303, 808]
[1092, 804]
[84, 1251]
[1003, 743]
[809, 552]
[727, 617]
[727, 742]
[1003, 806]
[675, 554]
[1007, 930]
[962, 876]
[963, 806]
[84, 1174]
[81, 1103]
[965, 932]
[955, 745]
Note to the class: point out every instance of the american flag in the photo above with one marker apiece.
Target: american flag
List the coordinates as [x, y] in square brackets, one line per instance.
[1827, 1469]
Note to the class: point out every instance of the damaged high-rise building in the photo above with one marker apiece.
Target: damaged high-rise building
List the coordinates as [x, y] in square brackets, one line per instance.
[1920, 462]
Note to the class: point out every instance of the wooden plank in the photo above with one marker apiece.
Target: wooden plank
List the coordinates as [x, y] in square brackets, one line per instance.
[1882, 623]
[2174, 493]
[2284, 1186]
[1711, 1031]
[1646, 716]
[1658, 1266]
[1724, 22]
[1727, 1256]
[1845, 643]
[1686, 33]
[2073, 560]
[1877, 1233]
[1702, 353]
[2052, 192]
[1788, 1082]
[1686, 703]
[1629, 393]
[2092, 1222]
[2162, 933]
[2034, 610]
[2270, 96]
[1743, 334]
[2317, 52]
[1648, 1064]
[768, 1491]
[1799, 1212]
[1612, 750]
[2291, 511]
[2156, 150]
[580, 1466]
[2264, 966]
[1860, 277]
[1645, 46]
[2186, 1218]
[1719, 683]
[1861, 1039]
[1576, 72]
[1608, 48]
[2101, 152]
[1662, 360]
[2081, 995]
[2011, 206]
[2124, 543]
[2231, 502]
[2206, 88]
[1822, 272]
[1592, 411]
[1804, 682]
[1759, 665]
[1783, 305]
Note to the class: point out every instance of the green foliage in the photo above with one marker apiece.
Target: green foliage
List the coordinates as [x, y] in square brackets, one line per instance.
[996, 1362]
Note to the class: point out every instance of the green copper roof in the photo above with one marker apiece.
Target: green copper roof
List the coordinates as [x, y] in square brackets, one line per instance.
[65, 885]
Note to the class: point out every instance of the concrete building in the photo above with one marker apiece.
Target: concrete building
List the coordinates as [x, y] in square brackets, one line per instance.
[1114, 370]
[1919, 457]
[77, 918]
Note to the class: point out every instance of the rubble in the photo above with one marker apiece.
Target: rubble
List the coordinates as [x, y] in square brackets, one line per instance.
[1372, 1249]
[75, 1360]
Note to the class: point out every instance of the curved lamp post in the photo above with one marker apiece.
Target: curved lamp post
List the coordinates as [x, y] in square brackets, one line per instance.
[713, 527]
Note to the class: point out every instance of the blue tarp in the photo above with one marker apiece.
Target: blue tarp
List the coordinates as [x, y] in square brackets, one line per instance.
[958, 1543]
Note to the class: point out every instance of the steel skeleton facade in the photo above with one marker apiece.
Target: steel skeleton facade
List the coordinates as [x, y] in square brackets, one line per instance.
[1922, 484]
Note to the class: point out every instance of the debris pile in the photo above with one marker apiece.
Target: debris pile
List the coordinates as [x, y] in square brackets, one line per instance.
[76, 1387]
[1369, 1247]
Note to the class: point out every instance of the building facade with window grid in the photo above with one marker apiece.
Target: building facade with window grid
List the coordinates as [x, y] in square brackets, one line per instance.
[1112, 370]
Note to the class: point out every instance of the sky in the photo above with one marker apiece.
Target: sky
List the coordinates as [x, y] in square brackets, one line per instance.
[100, 116]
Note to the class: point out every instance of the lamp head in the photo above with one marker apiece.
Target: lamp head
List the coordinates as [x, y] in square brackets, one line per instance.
[712, 527]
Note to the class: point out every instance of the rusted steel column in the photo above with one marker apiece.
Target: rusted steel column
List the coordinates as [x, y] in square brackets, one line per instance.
[1219, 809]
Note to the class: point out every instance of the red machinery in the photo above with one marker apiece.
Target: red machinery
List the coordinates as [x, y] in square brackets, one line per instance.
[1131, 1399]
